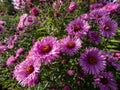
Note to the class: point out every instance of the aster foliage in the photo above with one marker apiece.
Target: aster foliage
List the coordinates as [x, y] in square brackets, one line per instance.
[59, 45]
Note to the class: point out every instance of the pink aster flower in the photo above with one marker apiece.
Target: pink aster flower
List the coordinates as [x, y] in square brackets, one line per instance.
[66, 87]
[26, 72]
[72, 7]
[30, 20]
[19, 51]
[55, 5]
[11, 41]
[46, 50]
[70, 45]
[26, 20]
[2, 48]
[98, 14]
[108, 27]
[92, 61]
[11, 60]
[78, 27]
[19, 4]
[70, 72]
[110, 7]
[21, 22]
[105, 81]
[2, 23]
[34, 11]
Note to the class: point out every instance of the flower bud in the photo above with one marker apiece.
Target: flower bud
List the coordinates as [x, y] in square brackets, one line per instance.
[72, 7]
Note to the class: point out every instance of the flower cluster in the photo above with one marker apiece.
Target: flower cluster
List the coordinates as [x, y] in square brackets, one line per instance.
[84, 44]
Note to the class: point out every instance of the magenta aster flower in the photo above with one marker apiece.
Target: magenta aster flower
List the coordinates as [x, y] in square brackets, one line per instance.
[78, 27]
[11, 60]
[2, 23]
[26, 72]
[72, 7]
[55, 5]
[92, 61]
[105, 81]
[47, 49]
[98, 14]
[109, 7]
[2, 48]
[19, 51]
[108, 27]
[30, 20]
[11, 41]
[34, 11]
[66, 87]
[70, 72]
[19, 4]
[94, 37]
[21, 22]
[26, 20]
[70, 45]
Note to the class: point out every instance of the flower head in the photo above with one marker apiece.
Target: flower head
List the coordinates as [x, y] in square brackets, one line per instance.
[2, 23]
[78, 27]
[34, 11]
[92, 61]
[2, 48]
[30, 20]
[19, 51]
[47, 49]
[70, 72]
[109, 7]
[72, 7]
[19, 4]
[70, 45]
[108, 27]
[10, 60]
[98, 14]
[26, 72]
[105, 81]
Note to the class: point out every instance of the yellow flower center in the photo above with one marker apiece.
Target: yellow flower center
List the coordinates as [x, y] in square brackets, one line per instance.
[46, 49]
[107, 27]
[71, 45]
[30, 69]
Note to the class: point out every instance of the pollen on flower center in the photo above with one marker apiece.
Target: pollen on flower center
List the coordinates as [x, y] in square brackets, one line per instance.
[46, 49]
[104, 80]
[107, 27]
[77, 28]
[30, 69]
[92, 60]
[71, 45]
